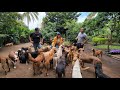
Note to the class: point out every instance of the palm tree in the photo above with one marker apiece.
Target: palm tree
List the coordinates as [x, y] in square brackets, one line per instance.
[91, 15]
[30, 16]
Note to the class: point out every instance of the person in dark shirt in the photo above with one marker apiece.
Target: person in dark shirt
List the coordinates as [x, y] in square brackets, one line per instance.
[36, 39]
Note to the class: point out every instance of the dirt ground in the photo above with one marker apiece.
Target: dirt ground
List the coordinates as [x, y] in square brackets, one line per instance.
[111, 66]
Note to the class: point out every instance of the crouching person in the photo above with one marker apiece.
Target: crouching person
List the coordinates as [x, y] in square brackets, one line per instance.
[57, 41]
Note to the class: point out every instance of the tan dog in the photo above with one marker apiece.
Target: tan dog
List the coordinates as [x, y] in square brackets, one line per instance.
[70, 55]
[8, 44]
[97, 53]
[84, 58]
[37, 62]
[75, 57]
[3, 61]
[49, 57]
[45, 49]
[14, 58]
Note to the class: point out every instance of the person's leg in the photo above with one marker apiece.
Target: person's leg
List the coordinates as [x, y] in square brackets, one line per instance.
[78, 45]
[57, 46]
[35, 46]
[81, 45]
[50, 46]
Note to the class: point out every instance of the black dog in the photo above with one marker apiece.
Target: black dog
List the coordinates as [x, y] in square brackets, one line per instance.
[99, 72]
[60, 69]
[34, 54]
[22, 54]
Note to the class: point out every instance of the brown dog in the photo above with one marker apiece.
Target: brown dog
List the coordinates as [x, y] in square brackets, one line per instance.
[49, 57]
[84, 58]
[3, 61]
[36, 61]
[97, 53]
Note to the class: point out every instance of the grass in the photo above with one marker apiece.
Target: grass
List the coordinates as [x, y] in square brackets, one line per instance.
[105, 47]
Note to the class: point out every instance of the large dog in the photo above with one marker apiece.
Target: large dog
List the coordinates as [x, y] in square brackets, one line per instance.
[84, 58]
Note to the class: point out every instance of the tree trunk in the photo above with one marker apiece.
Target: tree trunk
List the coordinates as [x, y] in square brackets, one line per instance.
[108, 45]
[111, 37]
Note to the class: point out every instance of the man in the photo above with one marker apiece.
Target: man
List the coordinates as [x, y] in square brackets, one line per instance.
[36, 39]
[57, 41]
[81, 38]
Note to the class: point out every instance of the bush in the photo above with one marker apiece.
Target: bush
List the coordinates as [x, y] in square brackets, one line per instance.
[90, 38]
[3, 39]
[66, 43]
[98, 40]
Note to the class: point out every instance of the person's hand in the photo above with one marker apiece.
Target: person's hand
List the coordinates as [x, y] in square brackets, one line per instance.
[76, 38]
[41, 43]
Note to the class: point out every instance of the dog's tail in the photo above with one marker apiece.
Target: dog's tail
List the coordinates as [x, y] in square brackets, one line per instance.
[105, 76]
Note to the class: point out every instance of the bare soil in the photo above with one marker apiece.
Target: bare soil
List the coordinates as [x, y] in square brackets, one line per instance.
[111, 67]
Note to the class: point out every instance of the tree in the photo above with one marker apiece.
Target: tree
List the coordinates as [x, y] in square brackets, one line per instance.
[12, 27]
[73, 29]
[8, 20]
[60, 19]
[103, 23]
[30, 16]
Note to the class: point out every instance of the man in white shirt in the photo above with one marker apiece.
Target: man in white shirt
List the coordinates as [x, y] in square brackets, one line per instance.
[81, 38]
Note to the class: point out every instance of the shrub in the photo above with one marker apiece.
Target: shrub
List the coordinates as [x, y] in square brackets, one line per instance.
[98, 40]
[66, 43]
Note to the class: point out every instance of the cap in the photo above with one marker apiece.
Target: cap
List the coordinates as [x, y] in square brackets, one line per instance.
[37, 29]
[58, 33]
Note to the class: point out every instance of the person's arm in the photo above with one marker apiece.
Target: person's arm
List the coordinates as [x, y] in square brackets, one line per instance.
[77, 36]
[63, 40]
[85, 39]
[30, 38]
[53, 42]
[41, 39]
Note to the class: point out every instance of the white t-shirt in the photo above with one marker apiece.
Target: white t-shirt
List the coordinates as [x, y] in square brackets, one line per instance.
[81, 37]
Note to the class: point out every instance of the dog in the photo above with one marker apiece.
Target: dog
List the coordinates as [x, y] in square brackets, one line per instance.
[8, 44]
[97, 53]
[22, 54]
[14, 58]
[3, 61]
[99, 72]
[61, 65]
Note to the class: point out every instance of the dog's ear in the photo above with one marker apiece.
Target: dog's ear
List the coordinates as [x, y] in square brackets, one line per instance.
[78, 50]
[93, 49]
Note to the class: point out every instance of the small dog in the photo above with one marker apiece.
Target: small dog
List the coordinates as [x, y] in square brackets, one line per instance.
[8, 44]
[97, 53]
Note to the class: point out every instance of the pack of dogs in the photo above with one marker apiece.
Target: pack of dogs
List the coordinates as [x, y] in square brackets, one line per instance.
[53, 58]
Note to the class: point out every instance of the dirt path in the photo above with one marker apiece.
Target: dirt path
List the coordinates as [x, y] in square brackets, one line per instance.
[23, 70]
[111, 67]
